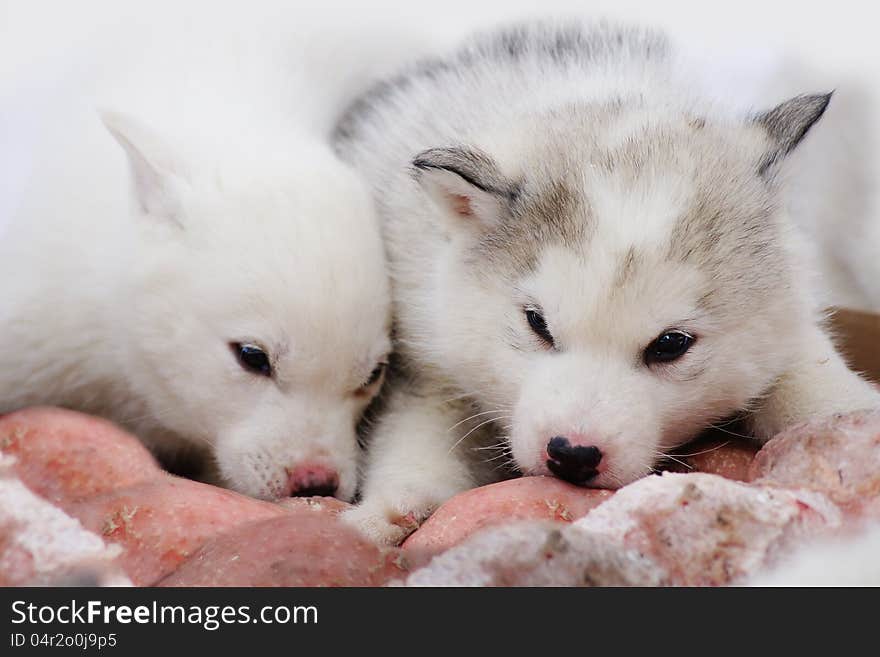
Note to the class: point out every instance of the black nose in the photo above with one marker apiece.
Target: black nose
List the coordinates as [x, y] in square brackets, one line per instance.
[576, 464]
[324, 490]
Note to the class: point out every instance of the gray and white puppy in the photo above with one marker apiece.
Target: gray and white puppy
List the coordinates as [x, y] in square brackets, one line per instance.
[588, 255]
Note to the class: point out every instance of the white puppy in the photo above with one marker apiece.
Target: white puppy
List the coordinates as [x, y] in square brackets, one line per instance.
[194, 262]
[589, 256]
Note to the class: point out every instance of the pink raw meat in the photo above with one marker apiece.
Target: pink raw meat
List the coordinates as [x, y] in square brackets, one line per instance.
[305, 547]
[707, 530]
[160, 523]
[526, 498]
[838, 456]
[42, 545]
[675, 529]
[727, 456]
[66, 456]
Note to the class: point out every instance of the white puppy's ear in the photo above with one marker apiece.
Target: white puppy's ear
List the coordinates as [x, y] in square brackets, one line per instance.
[787, 124]
[465, 184]
[155, 171]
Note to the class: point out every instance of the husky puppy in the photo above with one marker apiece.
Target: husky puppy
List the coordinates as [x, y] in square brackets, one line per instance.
[588, 255]
[196, 264]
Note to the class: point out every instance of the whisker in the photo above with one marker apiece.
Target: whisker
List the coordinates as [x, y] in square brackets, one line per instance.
[487, 447]
[687, 465]
[473, 416]
[509, 464]
[705, 451]
[495, 458]
[732, 433]
[732, 420]
[463, 395]
[458, 442]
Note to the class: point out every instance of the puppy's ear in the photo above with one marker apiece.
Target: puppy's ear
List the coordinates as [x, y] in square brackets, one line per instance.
[465, 183]
[156, 173]
[787, 124]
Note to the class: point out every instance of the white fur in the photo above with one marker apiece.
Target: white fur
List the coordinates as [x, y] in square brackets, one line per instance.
[206, 209]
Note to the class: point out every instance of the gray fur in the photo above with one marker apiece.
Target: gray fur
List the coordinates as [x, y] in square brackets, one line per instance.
[788, 123]
[476, 168]
[558, 45]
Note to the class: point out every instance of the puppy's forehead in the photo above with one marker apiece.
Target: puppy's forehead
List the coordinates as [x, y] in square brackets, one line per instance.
[307, 279]
[614, 296]
[684, 190]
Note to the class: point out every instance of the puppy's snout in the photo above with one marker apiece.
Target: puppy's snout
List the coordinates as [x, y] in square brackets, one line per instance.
[574, 463]
[311, 479]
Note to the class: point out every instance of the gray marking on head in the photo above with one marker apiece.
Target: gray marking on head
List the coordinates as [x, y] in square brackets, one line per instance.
[550, 214]
[705, 302]
[730, 233]
[568, 44]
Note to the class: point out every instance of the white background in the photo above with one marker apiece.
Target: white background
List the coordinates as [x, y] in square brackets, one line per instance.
[841, 34]
[837, 42]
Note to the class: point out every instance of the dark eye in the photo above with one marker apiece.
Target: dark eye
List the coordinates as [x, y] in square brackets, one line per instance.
[375, 375]
[668, 346]
[252, 358]
[538, 324]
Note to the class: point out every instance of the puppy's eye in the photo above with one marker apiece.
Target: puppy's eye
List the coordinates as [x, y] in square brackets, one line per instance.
[252, 358]
[668, 346]
[375, 375]
[538, 324]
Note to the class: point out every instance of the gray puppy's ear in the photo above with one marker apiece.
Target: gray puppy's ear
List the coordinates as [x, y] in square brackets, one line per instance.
[465, 183]
[155, 171]
[788, 123]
